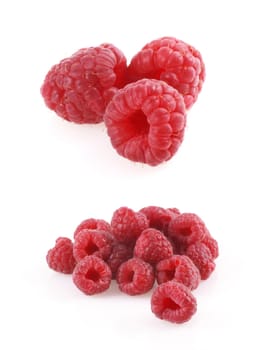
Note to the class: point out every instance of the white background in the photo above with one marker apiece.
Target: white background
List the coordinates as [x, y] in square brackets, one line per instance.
[55, 174]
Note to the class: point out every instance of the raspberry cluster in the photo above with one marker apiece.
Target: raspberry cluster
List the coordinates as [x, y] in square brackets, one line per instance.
[143, 104]
[137, 249]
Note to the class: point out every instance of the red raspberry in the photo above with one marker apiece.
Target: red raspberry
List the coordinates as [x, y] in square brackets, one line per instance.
[174, 302]
[120, 253]
[158, 217]
[173, 61]
[60, 258]
[187, 228]
[146, 121]
[92, 242]
[211, 244]
[179, 268]
[93, 224]
[152, 246]
[92, 275]
[135, 277]
[79, 87]
[202, 258]
[127, 225]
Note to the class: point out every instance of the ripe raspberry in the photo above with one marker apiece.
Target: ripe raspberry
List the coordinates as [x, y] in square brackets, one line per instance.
[211, 244]
[92, 242]
[92, 275]
[60, 258]
[158, 217]
[120, 253]
[180, 269]
[79, 87]
[173, 61]
[127, 225]
[187, 228]
[145, 121]
[93, 224]
[200, 254]
[174, 302]
[152, 246]
[135, 276]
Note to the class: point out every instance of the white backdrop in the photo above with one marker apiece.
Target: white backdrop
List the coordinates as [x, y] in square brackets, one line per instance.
[55, 174]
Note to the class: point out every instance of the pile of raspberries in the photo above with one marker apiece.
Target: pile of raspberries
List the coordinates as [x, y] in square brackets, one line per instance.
[143, 104]
[140, 249]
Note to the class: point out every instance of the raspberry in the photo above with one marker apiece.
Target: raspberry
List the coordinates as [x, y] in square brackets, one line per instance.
[152, 246]
[135, 277]
[79, 87]
[212, 245]
[174, 302]
[93, 224]
[200, 254]
[145, 121]
[92, 275]
[173, 61]
[92, 242]
[60, 258]
[120, 253]
[180, 269]
[187, 228]
[158, 217]
[127, 225]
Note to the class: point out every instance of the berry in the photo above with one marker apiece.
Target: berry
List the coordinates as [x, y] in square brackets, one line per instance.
[212, 245]
[152, 246]
[127, 225]
[173, 302]
[200, 254]
[93, 224]
[92, 275]
[79, 87]
[92, 242]
[60, 258]
[135, 277]
[145, 121]
[120, 253]
[187, 228]
[158, 217]
[180, 269]
[173, 61]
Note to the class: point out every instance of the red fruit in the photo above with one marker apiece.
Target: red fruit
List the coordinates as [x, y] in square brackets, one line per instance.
[178, 268]
[92, 275]
[93, 224]
[173, 61]
[152, 246]
[60, 258]
[174, 302]
[145, 121]
[79, 88]
[212, 245]
[120, 253]
[127, 225]
[200, 254]
[92, 242]
[135, 276]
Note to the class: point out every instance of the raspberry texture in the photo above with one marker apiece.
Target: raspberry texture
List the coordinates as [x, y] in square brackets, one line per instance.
[200, 254]
[135, 277]
[92, 242]
[212, 245]
[93, 224]
[187, 228]
[60, 258]
[120, 253]
[158, 217]
[146, 121]
[92, 275]
[180, 269]
[79, 88]
[127, 225]
[173, 61]
[173, 302]
[152, 246]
